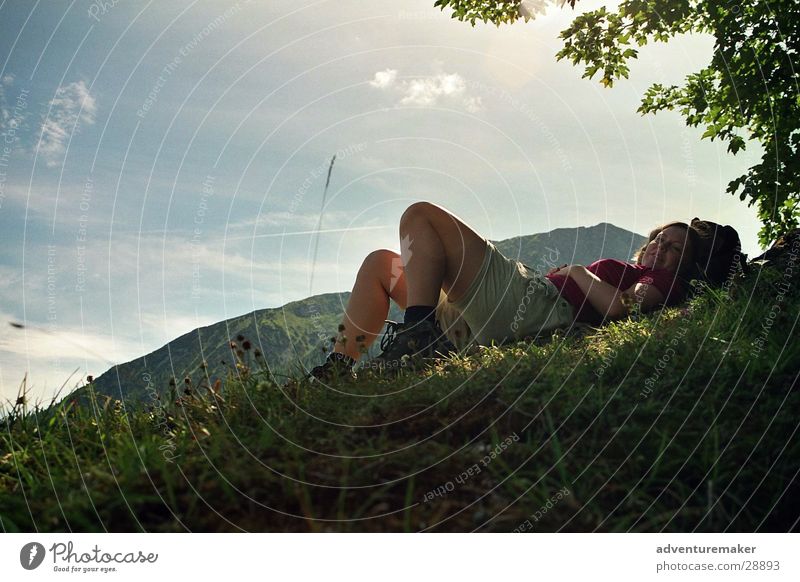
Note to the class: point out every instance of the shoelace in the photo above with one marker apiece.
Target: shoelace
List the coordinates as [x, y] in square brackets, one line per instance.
[390, 334]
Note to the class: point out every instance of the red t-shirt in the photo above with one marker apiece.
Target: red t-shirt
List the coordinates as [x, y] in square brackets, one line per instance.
[621, 275]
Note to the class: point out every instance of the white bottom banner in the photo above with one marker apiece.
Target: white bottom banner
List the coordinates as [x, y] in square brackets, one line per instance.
[400, 557]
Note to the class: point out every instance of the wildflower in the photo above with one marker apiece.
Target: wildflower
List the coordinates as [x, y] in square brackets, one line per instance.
[341, 327]
[246, 345]
[233, 345]
[240, 338]
[90, 379]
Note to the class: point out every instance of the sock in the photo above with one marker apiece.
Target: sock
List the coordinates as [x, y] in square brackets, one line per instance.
[417, 313]
[344, 358]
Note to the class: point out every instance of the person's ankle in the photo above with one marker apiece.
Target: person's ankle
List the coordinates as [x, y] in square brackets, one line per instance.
[418, 313]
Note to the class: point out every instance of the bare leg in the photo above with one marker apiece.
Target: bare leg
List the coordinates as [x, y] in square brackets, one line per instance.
[440, 252]
[380, 278]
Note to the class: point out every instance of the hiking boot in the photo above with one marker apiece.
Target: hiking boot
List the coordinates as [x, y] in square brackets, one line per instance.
[337, 366]
[410, 346]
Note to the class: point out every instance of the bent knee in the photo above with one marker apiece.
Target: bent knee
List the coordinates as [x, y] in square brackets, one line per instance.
[379, 261]
[419, 209]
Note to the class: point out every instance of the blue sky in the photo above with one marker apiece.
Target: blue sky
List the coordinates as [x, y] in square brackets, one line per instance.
[165, 160]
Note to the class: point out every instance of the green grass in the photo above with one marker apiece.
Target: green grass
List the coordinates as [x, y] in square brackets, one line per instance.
[671, 422]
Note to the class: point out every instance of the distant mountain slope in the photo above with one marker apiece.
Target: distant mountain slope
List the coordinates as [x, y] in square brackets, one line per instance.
[574, 246]
[296, 332]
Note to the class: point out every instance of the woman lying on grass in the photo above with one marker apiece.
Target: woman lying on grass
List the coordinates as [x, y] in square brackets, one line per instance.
[451, 278]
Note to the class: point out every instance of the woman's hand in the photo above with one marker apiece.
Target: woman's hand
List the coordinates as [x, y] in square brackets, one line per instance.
[563, 270]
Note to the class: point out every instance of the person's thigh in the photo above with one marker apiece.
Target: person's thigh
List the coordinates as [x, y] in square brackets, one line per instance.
[539, 309]
[508, 302]
[464, 249]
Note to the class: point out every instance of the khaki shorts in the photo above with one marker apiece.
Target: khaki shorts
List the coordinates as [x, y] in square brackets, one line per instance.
[509, 301]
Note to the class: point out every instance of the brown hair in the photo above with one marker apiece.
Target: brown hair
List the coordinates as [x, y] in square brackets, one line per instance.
[686, 265]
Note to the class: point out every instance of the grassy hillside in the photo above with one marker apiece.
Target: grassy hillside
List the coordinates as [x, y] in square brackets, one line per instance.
[679, 421]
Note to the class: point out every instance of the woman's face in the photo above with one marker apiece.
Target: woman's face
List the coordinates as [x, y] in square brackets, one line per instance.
[666, 249]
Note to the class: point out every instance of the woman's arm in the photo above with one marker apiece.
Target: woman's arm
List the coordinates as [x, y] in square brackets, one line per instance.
[610, 302]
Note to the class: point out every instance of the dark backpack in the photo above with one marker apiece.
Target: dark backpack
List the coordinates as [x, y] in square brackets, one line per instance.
[718, 256]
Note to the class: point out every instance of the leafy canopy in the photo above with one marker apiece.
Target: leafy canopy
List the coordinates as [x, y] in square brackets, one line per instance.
[749, 90]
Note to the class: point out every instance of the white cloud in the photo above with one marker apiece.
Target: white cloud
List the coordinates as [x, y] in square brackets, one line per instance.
[49, 356]
[473, 104]
[41, 344]
[72, 104]
[427, 91]
[5, 113]
[384, 79]
[12, 115]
